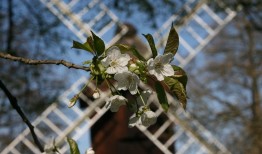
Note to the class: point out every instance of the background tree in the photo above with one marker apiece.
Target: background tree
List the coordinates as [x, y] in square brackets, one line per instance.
[27, 31]
[226, 86]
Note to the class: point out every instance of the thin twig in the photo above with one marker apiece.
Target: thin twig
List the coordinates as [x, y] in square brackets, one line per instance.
[38, 62]
[13, 102]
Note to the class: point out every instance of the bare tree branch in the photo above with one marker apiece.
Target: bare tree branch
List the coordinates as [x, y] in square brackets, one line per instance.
[13, 102]
[38, 62]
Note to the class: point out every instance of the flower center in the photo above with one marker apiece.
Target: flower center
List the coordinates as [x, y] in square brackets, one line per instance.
[113, 63]
[158, 66]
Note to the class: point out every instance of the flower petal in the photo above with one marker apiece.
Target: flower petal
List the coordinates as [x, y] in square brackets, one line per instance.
[111, 70]
[113, 53]
[168, 70]
[123, 60]
[148, 118]
[120, 69]
[166, 59]
[159, 76]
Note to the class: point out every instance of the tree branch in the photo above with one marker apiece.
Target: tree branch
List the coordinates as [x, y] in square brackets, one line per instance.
[38, 62]
[13, 102]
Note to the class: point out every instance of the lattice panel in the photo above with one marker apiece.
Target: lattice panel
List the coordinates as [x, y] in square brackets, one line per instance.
[81, 16]
[189, 135]
[200, 24]
[58, 121]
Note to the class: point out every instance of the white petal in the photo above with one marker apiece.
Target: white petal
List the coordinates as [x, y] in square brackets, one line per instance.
[121, 81]
[168, 70]
[165, 59]
[158, 59]
[159, 76]
[113, 53]
[133, 89]
[133, 84]
[120, 69]
[123, 60]
[105, 62]
[116, 102]
[111, 70]
[148, 118]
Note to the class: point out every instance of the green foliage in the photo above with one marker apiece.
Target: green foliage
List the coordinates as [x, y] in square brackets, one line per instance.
[73, 146]
[99, 44]
[151, 42]
[85, 46]
[161, 95]
[93, 44]
[137, 54]
[172, 42]
[177, 85]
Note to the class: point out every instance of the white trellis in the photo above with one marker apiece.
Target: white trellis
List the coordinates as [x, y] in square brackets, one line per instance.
[199, 25]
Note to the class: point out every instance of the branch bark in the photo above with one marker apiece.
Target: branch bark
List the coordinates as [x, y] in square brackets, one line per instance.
[13, 102]
[39, 62]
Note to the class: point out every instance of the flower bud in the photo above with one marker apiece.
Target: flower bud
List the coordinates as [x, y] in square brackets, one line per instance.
[132, 67]
[96, 94]
[90, 151]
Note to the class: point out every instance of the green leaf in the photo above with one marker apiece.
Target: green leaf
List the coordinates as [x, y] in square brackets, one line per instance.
[86, 46]
[180, 75]
[151, 42]
[126, 48]
[178, 89]
[73, 146]
[161, 95]
[87, 62]
[137, 54]
[99, 44]
[172, 42]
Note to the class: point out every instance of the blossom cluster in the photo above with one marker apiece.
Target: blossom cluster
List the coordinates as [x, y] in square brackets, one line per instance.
[127, 72]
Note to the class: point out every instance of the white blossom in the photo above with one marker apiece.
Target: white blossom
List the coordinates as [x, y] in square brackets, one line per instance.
[148, 118]
[160, 67]
[115, 102]
[96, 94]
[90, 151]
[145, 95]
[115, 61]
[127, 81]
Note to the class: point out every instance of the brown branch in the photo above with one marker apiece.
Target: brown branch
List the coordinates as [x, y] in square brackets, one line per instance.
[13, 102]
[38, 62]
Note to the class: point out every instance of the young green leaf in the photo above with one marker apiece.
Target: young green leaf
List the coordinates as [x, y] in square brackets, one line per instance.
[137, 54]
[161, 95]
[178, 89]
[73, 146]
[180, 75]
[84, 46]
[99, 44]
[125, 48]
[151, 42]
[172, 42]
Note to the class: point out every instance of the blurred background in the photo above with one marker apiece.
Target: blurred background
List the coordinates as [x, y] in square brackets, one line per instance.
[223, 62]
